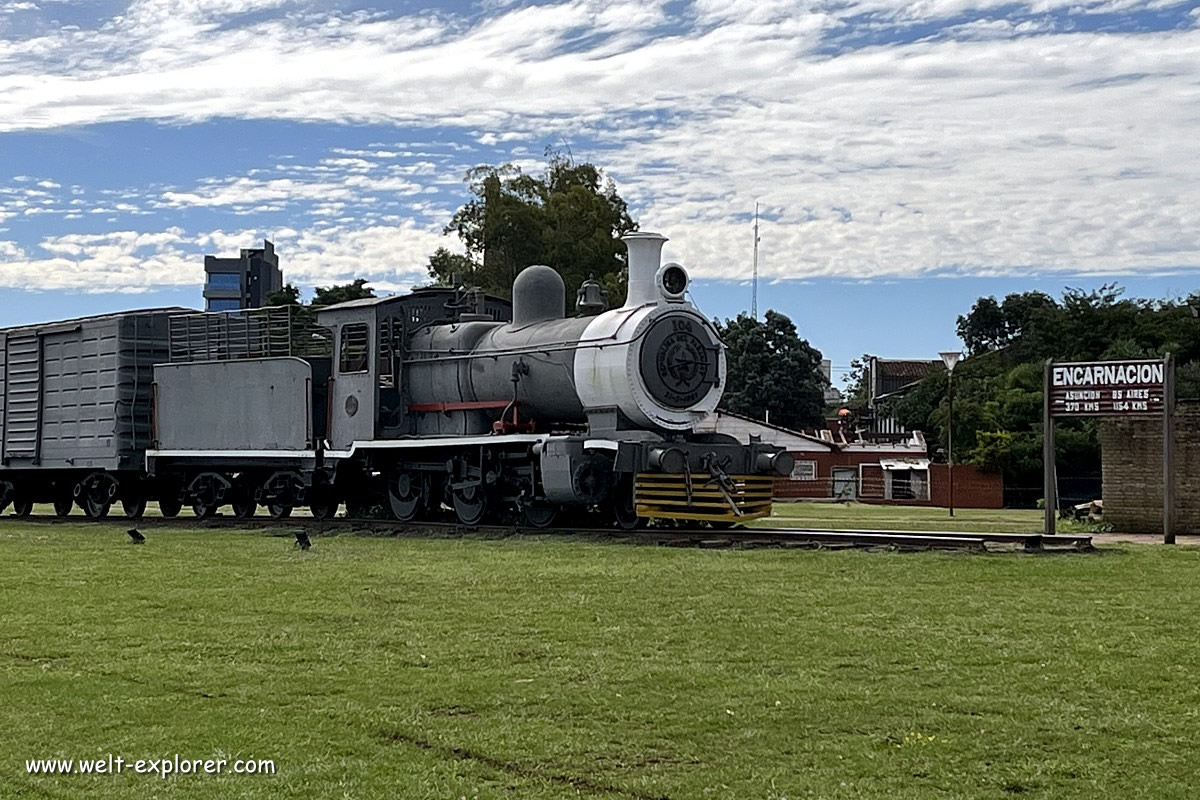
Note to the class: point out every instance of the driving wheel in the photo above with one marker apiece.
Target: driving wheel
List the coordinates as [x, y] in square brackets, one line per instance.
[244, 509]
[407, 495]
[169, 507]
[133, 508]
[470, 504]
[539, 513]
[324, 509]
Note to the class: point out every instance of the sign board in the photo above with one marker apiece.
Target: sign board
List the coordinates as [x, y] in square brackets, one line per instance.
[1107, 388]
[1110, 389]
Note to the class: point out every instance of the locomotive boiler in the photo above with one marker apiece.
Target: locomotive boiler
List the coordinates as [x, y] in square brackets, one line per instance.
[446, 399]
[654, 364]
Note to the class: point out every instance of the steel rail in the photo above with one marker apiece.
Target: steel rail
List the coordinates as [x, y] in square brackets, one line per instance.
[698, 537]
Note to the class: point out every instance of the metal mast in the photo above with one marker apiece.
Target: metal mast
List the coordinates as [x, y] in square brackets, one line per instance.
[754, 279]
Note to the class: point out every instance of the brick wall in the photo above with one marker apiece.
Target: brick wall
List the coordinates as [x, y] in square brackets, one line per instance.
[973, 488]
[826, 462]
[1131, 459]
[871, 487]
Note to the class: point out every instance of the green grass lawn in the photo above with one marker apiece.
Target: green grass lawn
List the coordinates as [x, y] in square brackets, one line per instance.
[549, 668]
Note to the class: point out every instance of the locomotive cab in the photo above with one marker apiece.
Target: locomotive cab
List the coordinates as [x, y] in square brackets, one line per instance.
[370, 392]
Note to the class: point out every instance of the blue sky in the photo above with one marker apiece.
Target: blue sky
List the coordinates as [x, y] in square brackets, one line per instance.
[908, 157]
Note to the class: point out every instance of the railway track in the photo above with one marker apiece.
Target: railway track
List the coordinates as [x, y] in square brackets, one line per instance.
[678, 537]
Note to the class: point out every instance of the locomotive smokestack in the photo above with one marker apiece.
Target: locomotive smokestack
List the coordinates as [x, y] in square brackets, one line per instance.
[645, 256]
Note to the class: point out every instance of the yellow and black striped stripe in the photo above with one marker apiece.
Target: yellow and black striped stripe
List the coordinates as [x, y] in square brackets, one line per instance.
[662, 496]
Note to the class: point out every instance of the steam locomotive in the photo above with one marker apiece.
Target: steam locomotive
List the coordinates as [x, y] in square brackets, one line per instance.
[435, 401]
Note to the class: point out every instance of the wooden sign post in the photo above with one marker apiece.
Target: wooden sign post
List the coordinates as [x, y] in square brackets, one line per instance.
[1141, 388]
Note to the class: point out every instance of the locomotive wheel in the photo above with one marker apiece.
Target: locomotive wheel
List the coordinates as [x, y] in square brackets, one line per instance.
[204, 510]
[135, 508]
[624, 509]
[63, 506]
[244, 509]
[169, 507]
[407, 495]
[93, 509]
[241, 498]
[470, 504]
[22, 507]
[324, 509]
[627, 519]
[279, 511]
[539, 514]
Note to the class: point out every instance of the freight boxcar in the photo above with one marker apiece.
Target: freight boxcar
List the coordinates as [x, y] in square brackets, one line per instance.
[76, 409]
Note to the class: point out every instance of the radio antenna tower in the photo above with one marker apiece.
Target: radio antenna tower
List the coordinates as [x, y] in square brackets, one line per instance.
[754, 279]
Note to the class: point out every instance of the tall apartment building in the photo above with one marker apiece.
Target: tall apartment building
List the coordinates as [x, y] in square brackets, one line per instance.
[242, 282]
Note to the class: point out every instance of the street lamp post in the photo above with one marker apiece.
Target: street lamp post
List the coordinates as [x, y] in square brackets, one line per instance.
[950, 359]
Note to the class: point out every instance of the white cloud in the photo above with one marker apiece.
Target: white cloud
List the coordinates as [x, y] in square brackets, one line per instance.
[243, 191]
[393, 255]
[1000, 146]
[118, 261]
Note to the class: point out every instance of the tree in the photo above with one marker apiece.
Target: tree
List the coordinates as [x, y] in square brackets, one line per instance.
[569, 218]
[772, 369]
[454, 269]
[1029, 316]
[984, 328]
[858, 390]
[341, 293]
[289, 295]
[915, 408]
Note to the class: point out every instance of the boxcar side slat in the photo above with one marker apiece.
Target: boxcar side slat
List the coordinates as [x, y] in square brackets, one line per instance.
[3, 390]
[23, 409]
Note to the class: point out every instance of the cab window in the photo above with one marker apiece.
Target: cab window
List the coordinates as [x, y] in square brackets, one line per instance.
[354, 353]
